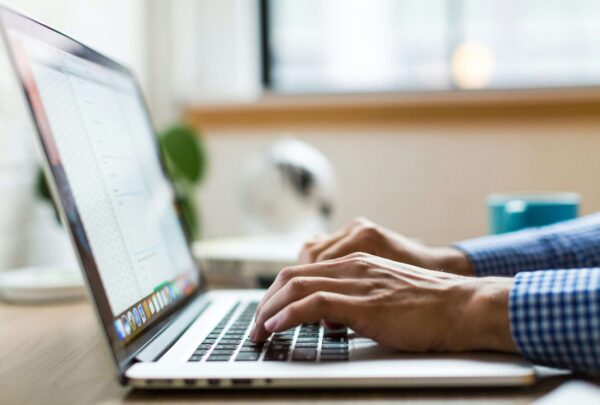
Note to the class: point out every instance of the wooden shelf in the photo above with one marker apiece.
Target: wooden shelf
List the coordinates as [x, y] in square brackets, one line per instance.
[382, 109]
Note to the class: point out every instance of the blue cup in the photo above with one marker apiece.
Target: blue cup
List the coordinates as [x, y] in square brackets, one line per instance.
[513, 212]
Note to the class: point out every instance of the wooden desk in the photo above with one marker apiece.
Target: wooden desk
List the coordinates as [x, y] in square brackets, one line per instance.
[54, 355]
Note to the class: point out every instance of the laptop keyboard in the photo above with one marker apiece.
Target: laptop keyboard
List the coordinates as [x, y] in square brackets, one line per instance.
[228, 341]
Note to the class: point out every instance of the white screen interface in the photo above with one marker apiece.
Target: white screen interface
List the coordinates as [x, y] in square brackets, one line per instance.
[106, 147]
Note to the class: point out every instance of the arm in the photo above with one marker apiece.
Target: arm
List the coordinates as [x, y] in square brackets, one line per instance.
[567, 245]
[551, 317]
[398, 305]
[555, 318]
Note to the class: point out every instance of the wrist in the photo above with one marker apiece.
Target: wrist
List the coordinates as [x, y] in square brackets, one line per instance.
[452, 260]
[483, 322]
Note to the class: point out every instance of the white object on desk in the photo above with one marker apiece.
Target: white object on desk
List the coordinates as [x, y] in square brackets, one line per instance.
[41, 284]
[240, 261]
[269, 249]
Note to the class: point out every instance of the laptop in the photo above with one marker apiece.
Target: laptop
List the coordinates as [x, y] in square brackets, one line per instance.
[163, 327]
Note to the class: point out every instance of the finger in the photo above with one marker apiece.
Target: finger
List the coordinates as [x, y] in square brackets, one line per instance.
[332, 307]
[312, 249]
[298, 288]
[343, 247]
[338, 268]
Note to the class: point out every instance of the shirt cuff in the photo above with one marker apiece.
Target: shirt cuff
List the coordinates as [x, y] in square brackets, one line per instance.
[506, 255]
[555, 318]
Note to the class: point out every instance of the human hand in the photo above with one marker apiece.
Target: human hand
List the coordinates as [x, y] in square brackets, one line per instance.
[362, 235]
[397, 305]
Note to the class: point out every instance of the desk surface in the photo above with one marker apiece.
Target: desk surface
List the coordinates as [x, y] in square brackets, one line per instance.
[54, 354]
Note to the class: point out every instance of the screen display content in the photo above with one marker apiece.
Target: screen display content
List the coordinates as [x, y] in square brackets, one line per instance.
[100, 137]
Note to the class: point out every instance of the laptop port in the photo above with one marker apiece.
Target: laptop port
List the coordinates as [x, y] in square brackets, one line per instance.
[214, 381]
[241, 381]
[158, 382]
[189, 382]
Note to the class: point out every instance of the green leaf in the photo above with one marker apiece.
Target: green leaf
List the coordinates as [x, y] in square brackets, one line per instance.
[184, 153]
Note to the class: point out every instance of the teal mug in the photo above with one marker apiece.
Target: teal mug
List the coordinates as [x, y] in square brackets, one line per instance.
[512, 212]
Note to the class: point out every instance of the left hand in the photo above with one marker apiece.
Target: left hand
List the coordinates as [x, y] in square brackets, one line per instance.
[397, 305]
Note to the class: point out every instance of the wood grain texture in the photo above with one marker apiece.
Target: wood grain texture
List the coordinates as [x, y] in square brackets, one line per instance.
[54, 355]
[393, 109]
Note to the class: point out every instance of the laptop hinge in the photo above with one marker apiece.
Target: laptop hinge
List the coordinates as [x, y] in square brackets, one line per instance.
[167, 338]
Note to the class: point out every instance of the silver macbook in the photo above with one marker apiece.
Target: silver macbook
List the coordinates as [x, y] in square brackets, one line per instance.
[162, 327]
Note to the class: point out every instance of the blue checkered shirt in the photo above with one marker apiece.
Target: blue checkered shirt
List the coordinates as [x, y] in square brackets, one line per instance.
[555, 302]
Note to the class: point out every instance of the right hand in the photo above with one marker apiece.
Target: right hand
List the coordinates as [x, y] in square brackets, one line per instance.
[362, 235]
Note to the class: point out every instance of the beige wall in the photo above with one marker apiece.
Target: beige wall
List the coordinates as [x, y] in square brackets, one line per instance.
[427, 180]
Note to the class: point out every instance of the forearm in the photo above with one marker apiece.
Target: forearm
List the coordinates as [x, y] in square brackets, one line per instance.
[551, 317]
[572, 244]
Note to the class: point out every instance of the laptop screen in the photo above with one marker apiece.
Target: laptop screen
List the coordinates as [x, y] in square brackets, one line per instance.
[106, 167]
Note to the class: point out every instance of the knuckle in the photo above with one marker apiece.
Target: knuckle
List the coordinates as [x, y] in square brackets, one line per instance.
[358, 255]
[321, 299]
[360, 263]
[286, 274]
[299, 284]
[369, 232]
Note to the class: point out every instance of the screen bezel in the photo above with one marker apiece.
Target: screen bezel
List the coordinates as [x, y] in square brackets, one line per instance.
[123, 355]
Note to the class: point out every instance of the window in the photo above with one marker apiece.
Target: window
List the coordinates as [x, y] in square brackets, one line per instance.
[322, 46]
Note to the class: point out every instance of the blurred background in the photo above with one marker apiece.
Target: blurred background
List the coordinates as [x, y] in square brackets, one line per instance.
[422, 107]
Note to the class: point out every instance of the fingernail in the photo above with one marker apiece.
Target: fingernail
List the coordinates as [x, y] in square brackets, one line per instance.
[271, 324]
[252, 330]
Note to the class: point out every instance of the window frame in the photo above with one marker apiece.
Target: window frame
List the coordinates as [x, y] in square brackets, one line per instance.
[266, 65]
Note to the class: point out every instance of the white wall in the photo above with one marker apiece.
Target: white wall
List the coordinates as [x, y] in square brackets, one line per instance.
[427, 180]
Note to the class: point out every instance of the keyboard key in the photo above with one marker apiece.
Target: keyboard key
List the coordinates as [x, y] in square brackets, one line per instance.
[335, 339]
[307, 339]
[334, 357]
[334, 351]
[224, 352]
[247, 356]
[340, 331]
[304, 354]
[335, 345]
[276, 356]
[250, 343]
[218, 358]
[195, 358]
[251, 349]
[230, 341]
[279, 347]
[307, 344]
[222, 346]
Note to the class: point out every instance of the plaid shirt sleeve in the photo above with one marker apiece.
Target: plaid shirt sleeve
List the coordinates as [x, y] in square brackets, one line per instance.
[555, 318]
[555, 302]
[567, 245]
